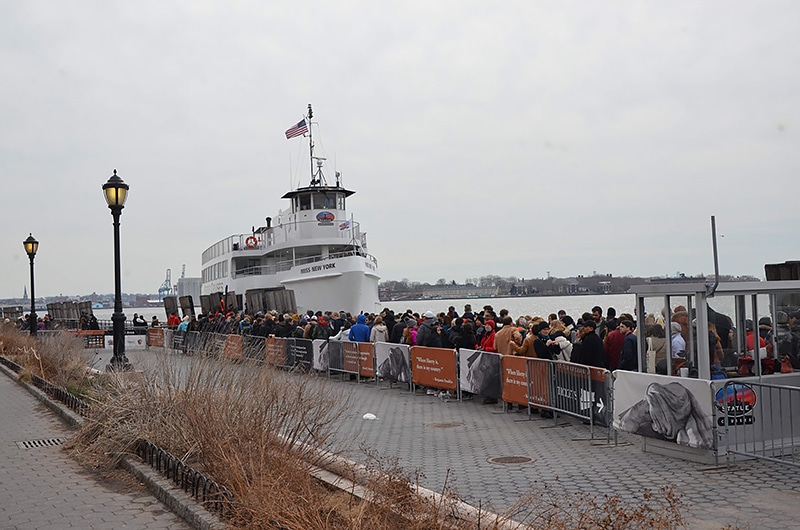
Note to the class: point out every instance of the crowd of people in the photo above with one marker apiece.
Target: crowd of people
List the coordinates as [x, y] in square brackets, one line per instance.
[594, 339]
[557, 336]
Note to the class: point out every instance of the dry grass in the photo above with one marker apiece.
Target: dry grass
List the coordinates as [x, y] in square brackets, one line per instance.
[59, 358]
[258, 431]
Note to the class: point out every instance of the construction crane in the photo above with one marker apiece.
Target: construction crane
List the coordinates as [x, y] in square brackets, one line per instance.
[166, 287]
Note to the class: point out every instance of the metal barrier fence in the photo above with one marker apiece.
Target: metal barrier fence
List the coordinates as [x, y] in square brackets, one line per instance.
[212, 494]
[760, 420]
[73, 402]
[573, 389]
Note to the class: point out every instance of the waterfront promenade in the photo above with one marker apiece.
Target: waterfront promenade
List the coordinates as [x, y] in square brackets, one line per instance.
[452, 442]
[42, 488]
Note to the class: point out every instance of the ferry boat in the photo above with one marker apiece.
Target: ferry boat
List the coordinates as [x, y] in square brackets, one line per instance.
[313, 250]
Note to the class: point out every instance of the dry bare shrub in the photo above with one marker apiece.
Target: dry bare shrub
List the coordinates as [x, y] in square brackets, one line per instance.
[544, 507]
[257, 431]
[60, 358]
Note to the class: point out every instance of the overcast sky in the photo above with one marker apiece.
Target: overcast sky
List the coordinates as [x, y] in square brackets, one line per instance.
[506, 138]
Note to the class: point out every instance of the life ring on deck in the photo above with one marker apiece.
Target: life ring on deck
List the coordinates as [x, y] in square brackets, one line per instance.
[251, 242]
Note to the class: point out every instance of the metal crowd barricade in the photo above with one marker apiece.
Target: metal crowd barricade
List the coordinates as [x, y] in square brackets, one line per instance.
[760, 420]
[571, 389]
[344, 358]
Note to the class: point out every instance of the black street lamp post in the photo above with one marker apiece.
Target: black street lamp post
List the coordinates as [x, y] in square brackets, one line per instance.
[31, 246]
[116, 191]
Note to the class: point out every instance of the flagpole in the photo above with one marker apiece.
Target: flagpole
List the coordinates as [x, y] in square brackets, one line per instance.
[310, 142]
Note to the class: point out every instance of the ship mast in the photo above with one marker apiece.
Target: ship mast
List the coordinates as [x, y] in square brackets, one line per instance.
[311, 142]
[317, 177]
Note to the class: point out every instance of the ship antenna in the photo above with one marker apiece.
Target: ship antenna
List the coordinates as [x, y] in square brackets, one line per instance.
[311, 142]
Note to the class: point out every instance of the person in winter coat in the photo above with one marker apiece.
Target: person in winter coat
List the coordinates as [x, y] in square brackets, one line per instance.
[592, 352]
[487, 340]
[526, 349]
[360, 330]
[428, 332]
[410, 332]
[508, 334]
[184, 325]
[629, 359]
[542, 332]
[564, 352]
[379, 333]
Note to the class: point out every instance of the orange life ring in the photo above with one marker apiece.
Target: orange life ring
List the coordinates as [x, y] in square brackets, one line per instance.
[251, 242]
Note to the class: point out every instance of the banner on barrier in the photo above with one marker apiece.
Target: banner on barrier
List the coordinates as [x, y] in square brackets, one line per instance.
[233, 347]
[515, 379]
[321, 355]
[350, 357]
[275, 353]
[480, 373]
[676, 409]
[601, 397]
[393, 361]
[300, 351]
[434, 367]
[366, 364]
[572, 389]
[155, 337]
[132, 342]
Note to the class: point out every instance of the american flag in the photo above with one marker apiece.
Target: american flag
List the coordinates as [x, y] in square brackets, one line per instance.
[344, 226]
[297, 130]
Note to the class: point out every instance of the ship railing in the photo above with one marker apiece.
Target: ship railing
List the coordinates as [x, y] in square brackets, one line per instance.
[274, 268]
[282, 233]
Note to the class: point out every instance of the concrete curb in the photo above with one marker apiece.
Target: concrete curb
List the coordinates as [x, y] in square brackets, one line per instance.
[179, 502]
[173, 498]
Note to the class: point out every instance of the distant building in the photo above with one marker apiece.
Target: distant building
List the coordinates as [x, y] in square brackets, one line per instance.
[190, 287]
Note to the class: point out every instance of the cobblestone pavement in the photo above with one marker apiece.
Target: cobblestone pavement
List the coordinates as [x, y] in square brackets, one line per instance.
[460, 437]
[43, 488]
[453, 441]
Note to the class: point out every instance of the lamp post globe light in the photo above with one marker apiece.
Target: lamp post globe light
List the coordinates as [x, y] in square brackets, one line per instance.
[31, 246]
[116, 191]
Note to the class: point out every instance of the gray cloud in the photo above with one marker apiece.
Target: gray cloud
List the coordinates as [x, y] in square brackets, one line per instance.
[508, 139]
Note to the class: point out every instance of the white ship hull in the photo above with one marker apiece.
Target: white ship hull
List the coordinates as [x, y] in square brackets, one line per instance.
[348, 283]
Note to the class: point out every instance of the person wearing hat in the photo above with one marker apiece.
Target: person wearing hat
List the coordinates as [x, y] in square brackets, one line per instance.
[429, 330]
[677, 340]
[591, 351]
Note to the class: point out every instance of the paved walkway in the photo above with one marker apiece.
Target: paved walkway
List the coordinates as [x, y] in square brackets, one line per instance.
[43, 488]
[424, 432]
[453, 442]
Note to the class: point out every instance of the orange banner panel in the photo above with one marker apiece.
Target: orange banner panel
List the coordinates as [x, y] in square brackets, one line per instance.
[275, 353]
[351, 357]
[367, 359]
[434, 367]
[155, 337]
[233, 347]
[515, 379]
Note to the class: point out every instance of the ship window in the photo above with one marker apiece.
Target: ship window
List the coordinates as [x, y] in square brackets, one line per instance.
[324, 201]
[340, 201]
[305, 201]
